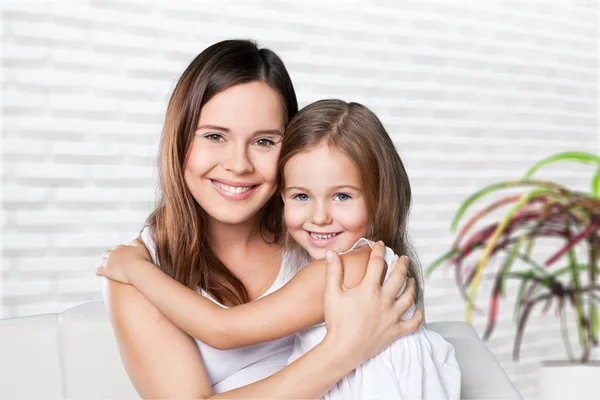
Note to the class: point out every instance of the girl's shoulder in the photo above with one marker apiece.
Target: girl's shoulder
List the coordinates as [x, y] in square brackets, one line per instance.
[389, 256]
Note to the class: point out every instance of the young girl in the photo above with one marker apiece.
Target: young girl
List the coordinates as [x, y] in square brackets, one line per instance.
[343, 185]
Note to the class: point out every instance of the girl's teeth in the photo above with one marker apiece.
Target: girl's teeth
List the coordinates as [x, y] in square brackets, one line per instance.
[233, 189]
[323, 237]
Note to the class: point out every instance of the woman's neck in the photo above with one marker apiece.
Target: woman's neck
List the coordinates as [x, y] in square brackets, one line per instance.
[242, 235]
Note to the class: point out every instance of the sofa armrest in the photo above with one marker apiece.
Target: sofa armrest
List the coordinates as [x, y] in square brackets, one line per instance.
[482, 377]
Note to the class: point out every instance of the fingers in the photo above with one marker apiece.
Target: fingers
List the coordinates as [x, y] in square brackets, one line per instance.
[375, 265]
[406, 299]
[335, 273]
[397, 278]
[409, 326]
[103, 259]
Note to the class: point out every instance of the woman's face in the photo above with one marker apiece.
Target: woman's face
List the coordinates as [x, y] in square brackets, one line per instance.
[231, 165]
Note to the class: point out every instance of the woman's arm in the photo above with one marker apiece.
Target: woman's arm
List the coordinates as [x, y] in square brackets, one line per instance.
[163, 362]
[360, 323]
[160, 359]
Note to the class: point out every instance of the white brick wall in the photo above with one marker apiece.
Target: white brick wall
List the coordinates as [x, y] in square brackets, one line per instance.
[472, 92]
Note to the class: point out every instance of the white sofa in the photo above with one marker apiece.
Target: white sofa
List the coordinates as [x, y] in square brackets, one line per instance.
[73, 355]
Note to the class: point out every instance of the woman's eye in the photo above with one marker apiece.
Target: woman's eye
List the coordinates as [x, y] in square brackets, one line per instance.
[214, 137]
[301, 197]
[342, 197]
[265, 142]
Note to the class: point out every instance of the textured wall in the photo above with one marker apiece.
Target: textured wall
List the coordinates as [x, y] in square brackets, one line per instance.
[472, 92]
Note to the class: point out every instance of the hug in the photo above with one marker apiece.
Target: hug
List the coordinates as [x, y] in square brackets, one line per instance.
[276, 262]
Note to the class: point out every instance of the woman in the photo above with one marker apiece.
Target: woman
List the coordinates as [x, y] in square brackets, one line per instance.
[216, 230]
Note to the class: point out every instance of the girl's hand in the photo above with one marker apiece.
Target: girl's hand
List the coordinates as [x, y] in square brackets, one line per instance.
[117, 264]
[363, 321]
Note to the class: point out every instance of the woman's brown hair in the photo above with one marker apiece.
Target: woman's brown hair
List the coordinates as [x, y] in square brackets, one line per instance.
[178, 224]
[354, 130]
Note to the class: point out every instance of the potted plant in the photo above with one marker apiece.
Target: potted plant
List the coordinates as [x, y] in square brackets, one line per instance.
[566, 280]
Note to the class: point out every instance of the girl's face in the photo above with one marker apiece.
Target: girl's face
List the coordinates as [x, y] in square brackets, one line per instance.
[230, 168]
[324, 203]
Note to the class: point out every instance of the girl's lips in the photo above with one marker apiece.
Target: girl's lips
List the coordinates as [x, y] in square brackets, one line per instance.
[233, 196]
[321, 242]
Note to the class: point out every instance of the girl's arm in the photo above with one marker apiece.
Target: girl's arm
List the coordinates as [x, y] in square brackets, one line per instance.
[163, 362]
[294, 307]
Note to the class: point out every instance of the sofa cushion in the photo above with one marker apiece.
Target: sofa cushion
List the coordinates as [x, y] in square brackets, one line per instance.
[29, 358]
[91, 357]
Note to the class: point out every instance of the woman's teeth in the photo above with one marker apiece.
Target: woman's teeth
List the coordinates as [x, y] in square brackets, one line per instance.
[233, 189]
[323, 237]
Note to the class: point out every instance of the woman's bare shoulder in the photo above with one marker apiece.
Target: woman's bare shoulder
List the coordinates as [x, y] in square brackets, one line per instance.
[125, 300]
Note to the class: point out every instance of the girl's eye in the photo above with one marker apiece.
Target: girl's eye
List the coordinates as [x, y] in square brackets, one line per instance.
[264, 142]
[214, 137]
[342, 197]
[300, 197]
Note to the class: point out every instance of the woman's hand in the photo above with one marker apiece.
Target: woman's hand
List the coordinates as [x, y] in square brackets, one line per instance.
[364, 320]
[117, 264]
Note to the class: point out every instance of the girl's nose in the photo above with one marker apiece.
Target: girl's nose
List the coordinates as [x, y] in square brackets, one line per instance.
[320, 215]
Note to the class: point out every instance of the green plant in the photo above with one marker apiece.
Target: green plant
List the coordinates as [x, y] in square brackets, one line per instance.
[544, 210]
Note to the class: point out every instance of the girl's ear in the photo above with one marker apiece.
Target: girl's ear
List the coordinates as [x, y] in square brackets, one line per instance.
[282, 196]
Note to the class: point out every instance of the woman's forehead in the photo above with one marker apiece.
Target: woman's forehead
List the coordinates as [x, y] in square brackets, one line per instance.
[247, 107]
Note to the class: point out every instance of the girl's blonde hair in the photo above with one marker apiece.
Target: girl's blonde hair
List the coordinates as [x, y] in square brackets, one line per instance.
[354, 130]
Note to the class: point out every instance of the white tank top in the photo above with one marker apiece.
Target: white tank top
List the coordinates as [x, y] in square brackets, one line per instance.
[231, 369]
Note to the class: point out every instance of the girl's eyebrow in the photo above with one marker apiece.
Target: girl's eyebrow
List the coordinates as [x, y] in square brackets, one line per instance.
[335, 188]
[347, 187]
[278, 132]
[301, 189]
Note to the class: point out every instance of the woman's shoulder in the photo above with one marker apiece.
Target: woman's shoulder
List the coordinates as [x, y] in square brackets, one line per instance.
[146, 239]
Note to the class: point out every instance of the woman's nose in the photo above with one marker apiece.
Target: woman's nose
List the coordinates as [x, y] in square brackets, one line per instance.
[237, 161]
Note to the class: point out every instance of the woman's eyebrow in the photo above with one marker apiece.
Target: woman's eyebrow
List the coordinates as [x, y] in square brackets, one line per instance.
[213, 127]
[278, 132]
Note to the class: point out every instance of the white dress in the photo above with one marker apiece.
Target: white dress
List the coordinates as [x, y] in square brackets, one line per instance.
[418, 366]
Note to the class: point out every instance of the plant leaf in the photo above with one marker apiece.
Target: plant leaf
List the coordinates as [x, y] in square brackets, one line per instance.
[572, 242]
[440, 260]
[509, 263]
[594, 324]
[596, 184]
[565, 331]
[492, 243]
[499, 186]
[577, 156]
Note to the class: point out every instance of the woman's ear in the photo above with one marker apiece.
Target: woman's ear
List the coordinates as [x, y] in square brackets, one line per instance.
[282, 194]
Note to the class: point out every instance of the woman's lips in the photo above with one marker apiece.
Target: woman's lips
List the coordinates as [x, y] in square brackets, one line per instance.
[233, 191]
